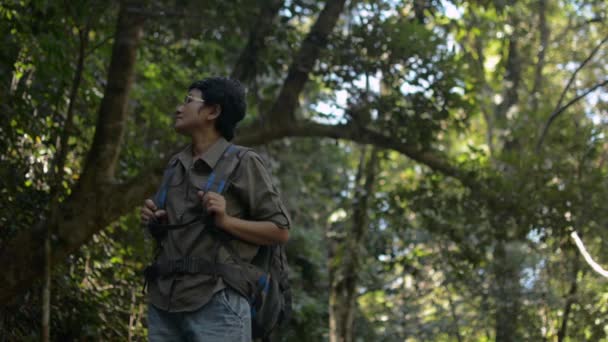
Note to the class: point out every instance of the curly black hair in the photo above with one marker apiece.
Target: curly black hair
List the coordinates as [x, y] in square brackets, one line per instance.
[230, 95]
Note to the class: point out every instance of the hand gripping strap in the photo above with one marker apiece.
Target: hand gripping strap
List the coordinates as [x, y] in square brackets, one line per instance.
[223, 170]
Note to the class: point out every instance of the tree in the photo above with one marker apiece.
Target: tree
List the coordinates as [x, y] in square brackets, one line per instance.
[468, 99]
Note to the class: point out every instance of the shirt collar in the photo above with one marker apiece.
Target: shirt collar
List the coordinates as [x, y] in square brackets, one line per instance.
[210, 157]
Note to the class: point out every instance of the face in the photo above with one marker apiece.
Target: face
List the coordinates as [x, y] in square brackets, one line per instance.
[193, 114]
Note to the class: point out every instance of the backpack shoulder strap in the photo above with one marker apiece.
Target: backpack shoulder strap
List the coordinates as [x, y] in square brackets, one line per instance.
[225, 168]
[160, 198]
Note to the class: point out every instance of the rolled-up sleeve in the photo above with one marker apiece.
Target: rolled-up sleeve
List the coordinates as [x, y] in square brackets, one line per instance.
[260, 196]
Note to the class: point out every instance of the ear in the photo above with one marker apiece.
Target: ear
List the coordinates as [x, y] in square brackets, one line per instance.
[217, 110]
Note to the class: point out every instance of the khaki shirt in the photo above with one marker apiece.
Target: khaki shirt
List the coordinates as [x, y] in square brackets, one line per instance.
[250, 196]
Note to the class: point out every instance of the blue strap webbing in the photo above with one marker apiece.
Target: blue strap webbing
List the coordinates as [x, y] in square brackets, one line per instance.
[161, 196]
[267, 284]
[209, 181]
[220, 181]
[221, 186]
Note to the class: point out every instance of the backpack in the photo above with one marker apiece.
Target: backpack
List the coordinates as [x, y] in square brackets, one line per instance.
[264, 282]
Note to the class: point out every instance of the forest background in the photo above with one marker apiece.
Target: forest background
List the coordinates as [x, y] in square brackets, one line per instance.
[434, 155]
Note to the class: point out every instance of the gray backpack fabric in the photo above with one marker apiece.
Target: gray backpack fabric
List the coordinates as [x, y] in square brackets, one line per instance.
[271, 307]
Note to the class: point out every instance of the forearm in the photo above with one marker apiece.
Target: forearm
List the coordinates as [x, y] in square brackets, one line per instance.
[257, 232]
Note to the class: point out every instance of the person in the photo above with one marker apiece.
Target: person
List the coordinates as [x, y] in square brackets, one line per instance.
[199, 306]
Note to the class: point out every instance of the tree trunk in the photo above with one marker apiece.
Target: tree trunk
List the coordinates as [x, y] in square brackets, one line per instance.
[46, 291]
[57, 174]
[570, 299]
[346, 263]
[102, 157]
[543, 27]
[507, 263]
[507, 293]
[452, 305]
[83, 212]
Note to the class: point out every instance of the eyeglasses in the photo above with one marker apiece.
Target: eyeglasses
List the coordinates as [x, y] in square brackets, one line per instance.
[190, 98]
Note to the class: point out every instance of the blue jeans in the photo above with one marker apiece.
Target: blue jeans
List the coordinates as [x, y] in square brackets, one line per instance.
[225, 318]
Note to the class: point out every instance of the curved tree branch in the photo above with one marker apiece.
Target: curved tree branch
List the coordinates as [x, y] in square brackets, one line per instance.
[579, 68]
[581, 247]
[558, 111]
[245, 68]
[558, 107]
[283, 109]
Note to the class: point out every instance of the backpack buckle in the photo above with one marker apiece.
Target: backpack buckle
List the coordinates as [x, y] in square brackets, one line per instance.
[179, 266]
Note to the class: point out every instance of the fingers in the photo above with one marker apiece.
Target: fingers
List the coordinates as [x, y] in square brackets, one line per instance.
[150, 211]
[212, 201]
[215, 207]
[201, 195]
[146, 214]
[205, 197]
[150, 204]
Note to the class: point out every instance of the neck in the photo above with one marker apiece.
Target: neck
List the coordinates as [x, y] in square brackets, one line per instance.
[201, 141]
